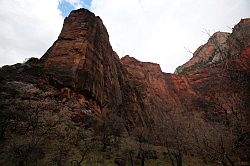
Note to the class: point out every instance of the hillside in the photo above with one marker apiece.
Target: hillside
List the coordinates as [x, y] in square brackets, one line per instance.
[80, 104]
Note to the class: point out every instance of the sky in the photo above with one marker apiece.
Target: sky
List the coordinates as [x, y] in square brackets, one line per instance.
[160, 31]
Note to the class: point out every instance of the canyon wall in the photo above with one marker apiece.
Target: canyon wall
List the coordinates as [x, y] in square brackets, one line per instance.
[215, 80]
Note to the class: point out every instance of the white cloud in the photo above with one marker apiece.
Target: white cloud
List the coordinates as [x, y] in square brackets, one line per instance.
[28, 28]
[158, 30]
[150, 30]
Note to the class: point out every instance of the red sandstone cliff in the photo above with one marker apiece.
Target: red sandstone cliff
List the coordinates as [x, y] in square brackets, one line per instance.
[83, 60]
[215, 80]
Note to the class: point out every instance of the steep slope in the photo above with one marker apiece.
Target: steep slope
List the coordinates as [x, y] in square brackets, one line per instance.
[151, 96]
[82, 61]
[211, 52]
[220, 47]
[219, 70]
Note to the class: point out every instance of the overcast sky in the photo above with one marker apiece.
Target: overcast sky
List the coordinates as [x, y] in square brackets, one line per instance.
[159, 31]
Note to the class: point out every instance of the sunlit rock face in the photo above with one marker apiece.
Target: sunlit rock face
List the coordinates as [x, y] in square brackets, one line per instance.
[220, 47]
[211, 52]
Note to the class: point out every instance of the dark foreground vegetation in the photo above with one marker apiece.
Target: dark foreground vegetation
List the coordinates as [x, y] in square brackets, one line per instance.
[42, 126]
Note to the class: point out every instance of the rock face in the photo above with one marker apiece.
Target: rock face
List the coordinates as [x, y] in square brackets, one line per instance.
[211, 52]
[219, 48]
[149, 96]
[218, 72]
[82, 60]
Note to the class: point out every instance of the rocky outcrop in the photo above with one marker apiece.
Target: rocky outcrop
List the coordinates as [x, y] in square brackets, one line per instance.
[214, 51]
[149, 97]
[220, 47]
[215, 81]
[83, 59]
[82, 62]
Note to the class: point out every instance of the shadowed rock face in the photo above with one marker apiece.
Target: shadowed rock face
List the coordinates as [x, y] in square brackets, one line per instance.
[216, 78]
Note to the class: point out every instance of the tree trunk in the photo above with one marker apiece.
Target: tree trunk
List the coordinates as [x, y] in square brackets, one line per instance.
[178, 158]
[2, 135]
[142, 161]
[131, 159]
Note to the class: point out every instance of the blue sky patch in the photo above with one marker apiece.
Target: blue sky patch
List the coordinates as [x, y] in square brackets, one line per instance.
[87, 2]
[66, 7]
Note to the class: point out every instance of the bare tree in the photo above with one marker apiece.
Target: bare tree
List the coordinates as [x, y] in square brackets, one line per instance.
[110, 129]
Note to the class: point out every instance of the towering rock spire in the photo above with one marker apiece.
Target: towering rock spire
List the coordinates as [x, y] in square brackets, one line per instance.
[83, 59]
